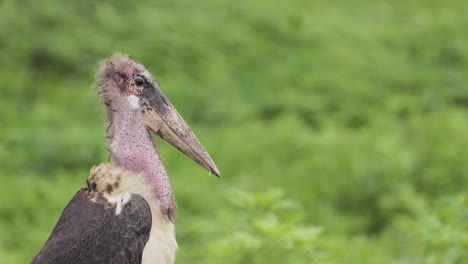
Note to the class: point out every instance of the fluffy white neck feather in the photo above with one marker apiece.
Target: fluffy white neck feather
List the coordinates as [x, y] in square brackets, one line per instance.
[161, 247]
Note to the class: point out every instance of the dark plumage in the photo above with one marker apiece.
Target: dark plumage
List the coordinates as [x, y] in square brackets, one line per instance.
[103, 236]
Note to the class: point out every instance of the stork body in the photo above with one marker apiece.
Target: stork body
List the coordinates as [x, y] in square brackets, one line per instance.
[126, 212]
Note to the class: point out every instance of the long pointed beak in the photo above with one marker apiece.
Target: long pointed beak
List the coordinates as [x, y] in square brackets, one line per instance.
[163, 119]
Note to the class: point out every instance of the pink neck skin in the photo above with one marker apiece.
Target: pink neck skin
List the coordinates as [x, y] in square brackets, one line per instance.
[132, 148]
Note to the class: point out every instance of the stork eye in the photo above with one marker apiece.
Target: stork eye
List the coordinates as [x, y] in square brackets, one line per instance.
[139, 81]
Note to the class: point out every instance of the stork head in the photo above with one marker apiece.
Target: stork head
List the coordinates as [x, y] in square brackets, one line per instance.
[122, 80]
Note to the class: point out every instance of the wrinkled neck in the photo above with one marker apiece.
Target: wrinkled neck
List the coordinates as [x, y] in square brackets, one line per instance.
[133, 148]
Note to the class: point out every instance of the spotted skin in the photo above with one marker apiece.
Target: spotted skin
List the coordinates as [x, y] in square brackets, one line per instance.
[131, 145]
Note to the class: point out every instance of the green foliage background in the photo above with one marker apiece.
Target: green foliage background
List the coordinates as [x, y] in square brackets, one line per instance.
[340, 127]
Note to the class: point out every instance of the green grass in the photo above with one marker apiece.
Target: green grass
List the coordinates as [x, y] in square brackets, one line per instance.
[340, 127]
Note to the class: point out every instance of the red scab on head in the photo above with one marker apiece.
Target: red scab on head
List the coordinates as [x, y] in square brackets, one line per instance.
[124, 79]
[118, 79]
[128, 71]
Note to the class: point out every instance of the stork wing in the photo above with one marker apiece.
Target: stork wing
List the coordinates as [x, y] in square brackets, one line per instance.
[90, 232]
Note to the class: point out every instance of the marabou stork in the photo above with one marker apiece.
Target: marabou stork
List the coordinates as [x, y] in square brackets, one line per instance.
[125, 213]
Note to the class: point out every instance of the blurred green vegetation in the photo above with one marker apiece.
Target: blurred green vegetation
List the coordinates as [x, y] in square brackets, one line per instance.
[340, 127]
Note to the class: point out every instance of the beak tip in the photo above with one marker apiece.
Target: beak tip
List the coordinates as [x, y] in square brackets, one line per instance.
[213, 169]
[210, 166]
